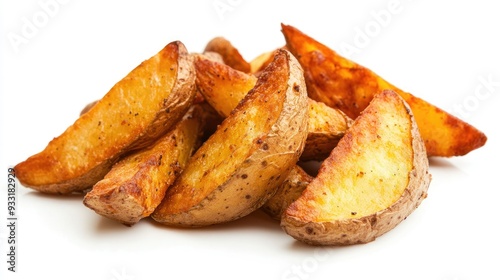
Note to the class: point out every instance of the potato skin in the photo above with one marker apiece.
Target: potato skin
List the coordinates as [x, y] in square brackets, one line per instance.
[224, 87]
[242, 164]
[135, 185]
[125, 119]
[300, 222]
[348, 86]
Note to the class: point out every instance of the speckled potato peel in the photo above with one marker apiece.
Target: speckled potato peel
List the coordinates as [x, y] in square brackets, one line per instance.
[136, 184]
[134, 113]
[242, 164]
[224, 87]
[375, 177]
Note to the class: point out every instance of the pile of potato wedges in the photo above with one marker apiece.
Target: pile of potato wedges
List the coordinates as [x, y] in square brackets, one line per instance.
[196, 139]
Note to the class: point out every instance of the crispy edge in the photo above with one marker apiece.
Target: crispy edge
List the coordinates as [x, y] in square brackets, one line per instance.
[368, 228]
[268, 162]
[175, 105]
[136, 184]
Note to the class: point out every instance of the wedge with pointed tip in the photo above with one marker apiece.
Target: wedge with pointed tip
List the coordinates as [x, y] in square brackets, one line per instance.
[348, 86]
[136, 184]
[134, 113]
[224, 87]
[250, 154]
[229, 53]
[375, 177]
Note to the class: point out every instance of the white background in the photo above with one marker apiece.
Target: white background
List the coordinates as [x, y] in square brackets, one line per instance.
[438, 51]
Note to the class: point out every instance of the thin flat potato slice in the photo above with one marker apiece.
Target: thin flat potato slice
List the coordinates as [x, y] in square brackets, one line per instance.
[375, 177]
[224, 87]
[291, 189]
[134, 187]
[134, 113]
[230, 54]
[243, 163]
[348, 86]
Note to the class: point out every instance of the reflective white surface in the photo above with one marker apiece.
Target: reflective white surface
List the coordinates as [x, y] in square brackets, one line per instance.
[56, 56]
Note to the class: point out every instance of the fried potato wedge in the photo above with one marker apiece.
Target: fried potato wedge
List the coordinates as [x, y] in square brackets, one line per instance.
[375, 177]
[326, 127]
[134, 113]
[249, 156]
[136, 185]
[291, 189]
[348, 86]
[224, 87]
[230, 54]
[260, 62]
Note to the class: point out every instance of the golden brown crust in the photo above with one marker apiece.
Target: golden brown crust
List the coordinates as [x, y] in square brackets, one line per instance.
[288, 192]
[126, 118]
[241, 165]
[348, 86]
[230, 54]
[307, 223]
[224, 87]
[326, 127]
[135, 186]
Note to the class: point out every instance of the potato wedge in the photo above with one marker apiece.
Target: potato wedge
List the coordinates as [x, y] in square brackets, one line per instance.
[136, 185]
[134, 113]
[260, 62]
[224, 87]
[348, 86]
[243, 163]
[291, 189]
[375, 177]
[326, 127]
[230, 54]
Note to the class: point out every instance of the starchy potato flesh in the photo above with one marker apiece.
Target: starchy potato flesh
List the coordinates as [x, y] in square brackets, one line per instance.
[375, 177]
[224, 87]
[242, 164]
[134, 187]
[135, 112]
[348, 86]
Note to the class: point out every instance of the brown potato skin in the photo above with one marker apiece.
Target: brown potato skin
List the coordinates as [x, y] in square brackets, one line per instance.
[230, 54]
[348, 86]
[224, 87]
[300, 222]
[136, 184]
[249, 156]
[134, 113]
